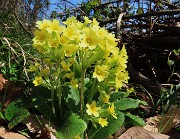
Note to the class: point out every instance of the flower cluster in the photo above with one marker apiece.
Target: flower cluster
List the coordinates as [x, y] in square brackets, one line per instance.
[69, 49]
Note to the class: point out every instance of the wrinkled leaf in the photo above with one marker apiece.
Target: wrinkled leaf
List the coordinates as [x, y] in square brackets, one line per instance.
[127, 103]
[135, 120]
[10, 111]
[113, 126]
[73, 126]
[22, 114]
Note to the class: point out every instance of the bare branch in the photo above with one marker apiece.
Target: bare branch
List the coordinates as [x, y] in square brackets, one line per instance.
[159, 13]
[118, 26]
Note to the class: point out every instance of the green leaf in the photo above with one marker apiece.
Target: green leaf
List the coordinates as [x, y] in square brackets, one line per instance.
[41, 99]
[59, 135]
[10, 111]
[2, 116]
[127, 103]
[113, 126]
[116, 95]
[140, 10]
[21, 115]
[74, 94]
[135, 120]
[159, 4]
[73, 126]
[170, 62]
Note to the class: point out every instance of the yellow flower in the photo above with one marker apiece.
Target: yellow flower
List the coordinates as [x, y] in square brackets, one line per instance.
[123, 58]
[112, 49]
[70, 20]
[42, 35]
[123, 52]
[71, 32]
[63, 40]
[92, 109]
[54, 42]
[54, 26]
[37, 81]
[103, 122]
[71, 60]
[87, 20]
[77, 137]
[130, 90]
[95, 22]
[100, 72]
[102, 32]
[33, 68]
[121, 76]
[105, 98]
[44, 72]
[74, 82]
[111, 110]
[65, 66]
[70, 49]
[43, 24]
[90, 39]
[69, 75]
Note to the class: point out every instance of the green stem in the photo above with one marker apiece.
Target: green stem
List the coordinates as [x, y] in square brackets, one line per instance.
[52, 99]
[59, 92]
[82, 93]
[93, 90]
[94, 133]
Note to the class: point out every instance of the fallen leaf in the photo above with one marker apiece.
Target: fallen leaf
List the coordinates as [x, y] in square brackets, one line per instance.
[5, 134]
[2, 82]
[40, 125]
[165, 122]
[137, 132]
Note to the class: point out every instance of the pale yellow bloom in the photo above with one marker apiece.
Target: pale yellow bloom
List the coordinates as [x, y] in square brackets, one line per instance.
[70, 49]
[37, 81]
[43, 24]
[70, 20]
[33, 68]
[42, 35]
[103, 122]
[89, 39]
[63, 40]
[77, 137]
[54, 42]
[69, 75]
[102, 32]
[54, 26]
[121, 76]
[111, 110]
[95, 22]
[105, 98]
[71, 32]
[44, 72]
[66, 66]
[100, 72]
[92, 109]
[74, 82]
[87, 20]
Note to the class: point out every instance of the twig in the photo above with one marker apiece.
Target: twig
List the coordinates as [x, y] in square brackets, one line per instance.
[16, 17]
[158, 13]
[118, 33]
[76, 7]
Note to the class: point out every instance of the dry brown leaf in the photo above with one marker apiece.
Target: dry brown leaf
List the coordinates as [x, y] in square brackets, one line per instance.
[140, 133]
[163, 123]
[5, 134]
[2, 82]
[40, 125]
